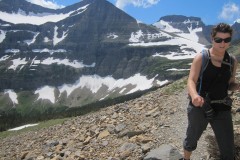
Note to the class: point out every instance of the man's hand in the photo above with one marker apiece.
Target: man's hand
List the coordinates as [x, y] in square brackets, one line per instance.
[197, 100]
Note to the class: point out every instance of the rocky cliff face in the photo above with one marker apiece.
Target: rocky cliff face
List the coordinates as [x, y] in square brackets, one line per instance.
[185, 26]
[236, 27]
[183, 23]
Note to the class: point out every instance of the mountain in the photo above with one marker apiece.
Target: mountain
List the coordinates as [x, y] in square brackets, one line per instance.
[15, 6]
[191, 28]
[87, 52]
[187, 27]
[236, 27]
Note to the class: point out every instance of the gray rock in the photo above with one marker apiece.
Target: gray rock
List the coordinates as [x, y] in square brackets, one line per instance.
[119, 128]
[164, 152]
[128, 147]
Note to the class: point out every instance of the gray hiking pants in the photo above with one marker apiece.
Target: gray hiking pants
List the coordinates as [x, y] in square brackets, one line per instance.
[222, 126]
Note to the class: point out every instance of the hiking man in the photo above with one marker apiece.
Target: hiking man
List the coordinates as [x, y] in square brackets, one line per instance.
[208, 91]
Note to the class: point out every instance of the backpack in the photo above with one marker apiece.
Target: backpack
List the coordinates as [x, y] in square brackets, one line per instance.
[205, 61]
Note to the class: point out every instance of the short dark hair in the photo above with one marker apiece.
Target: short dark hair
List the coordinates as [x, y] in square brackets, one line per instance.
[223, 28]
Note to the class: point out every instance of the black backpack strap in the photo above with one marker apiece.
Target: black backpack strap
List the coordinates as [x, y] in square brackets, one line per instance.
[229, 62]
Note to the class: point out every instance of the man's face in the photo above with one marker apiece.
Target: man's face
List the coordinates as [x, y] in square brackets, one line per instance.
[221, 41]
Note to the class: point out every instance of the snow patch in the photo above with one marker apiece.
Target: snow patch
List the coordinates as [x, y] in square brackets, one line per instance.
[192, 35]
[66, 62]
[22, 127]
[46, 39]
[136, 37]
[46, 4]
[46, 92]
[29, 42]
[95, 82]
[12, 51]
[49, 51]
[4, 58]
[57, 39]
[175, 69]
[49, 61]
[176, 56]
[112, 36]
[18, 62]
[184, 44]
[12, 95]
[37, 19]
[166, 26]
[2, 35]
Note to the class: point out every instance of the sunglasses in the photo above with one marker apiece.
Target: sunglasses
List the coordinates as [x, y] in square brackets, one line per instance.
[219, 40]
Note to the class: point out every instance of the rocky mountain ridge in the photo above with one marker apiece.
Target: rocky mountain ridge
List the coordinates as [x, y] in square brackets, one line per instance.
[130, 130]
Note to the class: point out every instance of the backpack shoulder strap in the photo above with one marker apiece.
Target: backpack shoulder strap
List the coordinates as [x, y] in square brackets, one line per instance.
[230, 62]
[205, 61]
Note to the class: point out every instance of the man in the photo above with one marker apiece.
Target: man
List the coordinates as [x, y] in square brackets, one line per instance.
[213, 84]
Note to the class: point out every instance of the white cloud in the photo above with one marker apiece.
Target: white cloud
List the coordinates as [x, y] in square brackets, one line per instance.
[46, 3]
[137, 3]
[230, 11]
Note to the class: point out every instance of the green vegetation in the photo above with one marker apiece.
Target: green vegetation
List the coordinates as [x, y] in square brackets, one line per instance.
[175, 87]
[159, 66]
[42, 111]
[44, 124]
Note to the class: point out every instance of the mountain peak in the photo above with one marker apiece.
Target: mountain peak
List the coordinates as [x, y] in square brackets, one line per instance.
[13, 6]
[23, 12]
[183, 26]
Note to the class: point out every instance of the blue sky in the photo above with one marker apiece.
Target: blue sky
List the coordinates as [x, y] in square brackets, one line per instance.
[150, 11]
